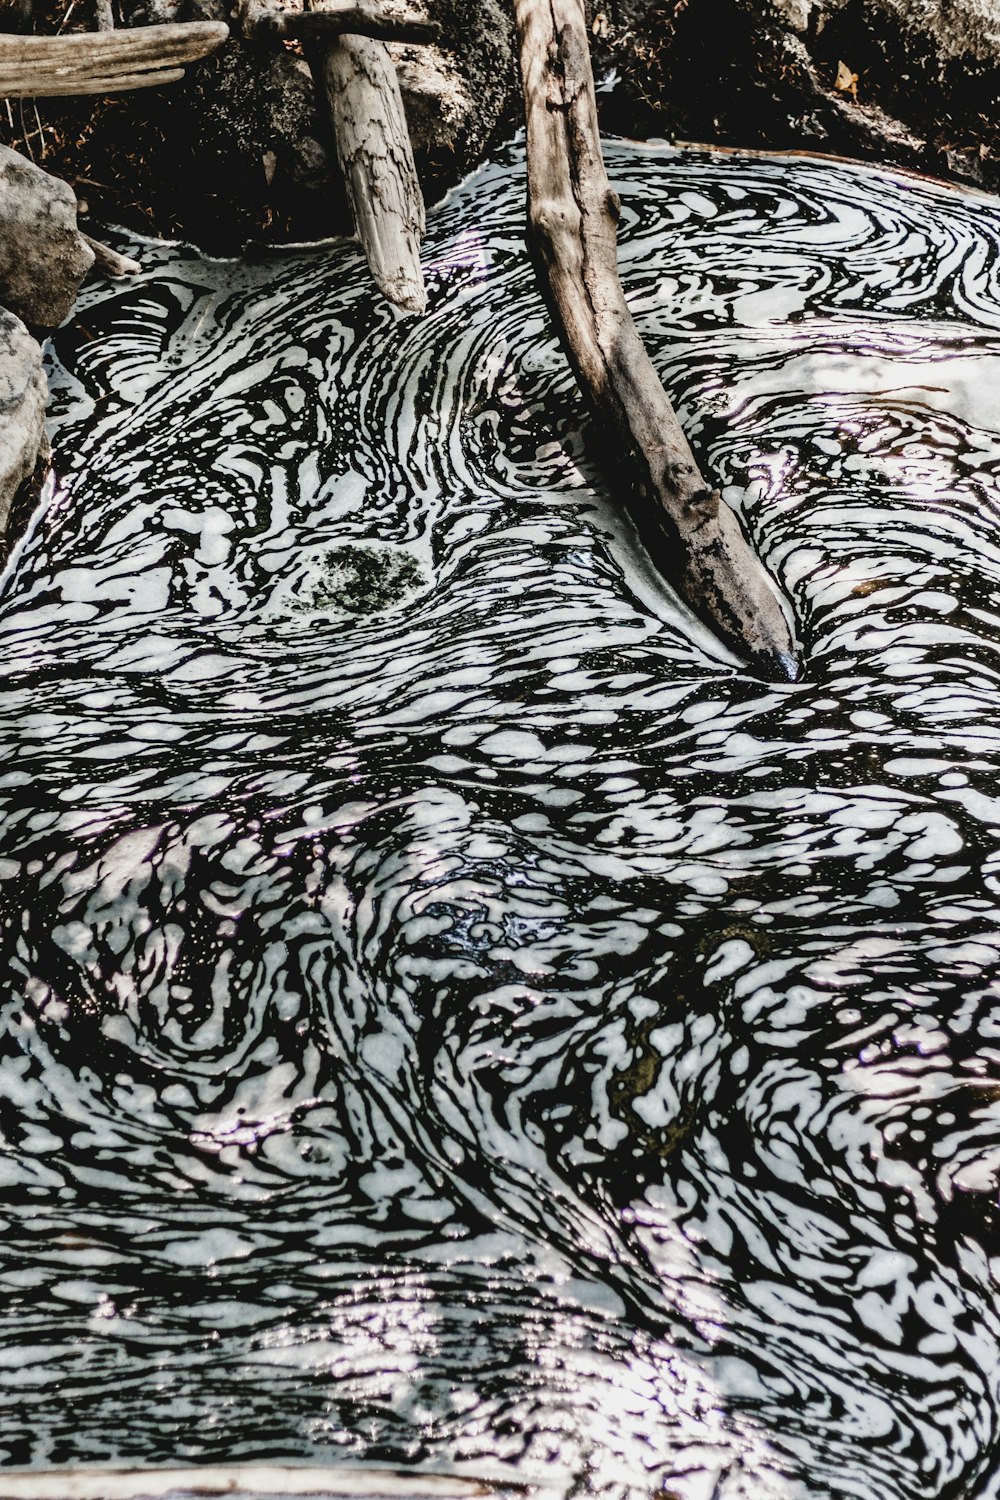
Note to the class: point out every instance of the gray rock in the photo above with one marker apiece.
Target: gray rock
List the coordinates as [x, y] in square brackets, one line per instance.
[43, 256]
[23, 392]
[911, 83]
[951, 28]
[456, 94]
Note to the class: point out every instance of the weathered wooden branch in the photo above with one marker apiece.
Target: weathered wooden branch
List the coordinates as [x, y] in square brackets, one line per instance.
[103, 62]
[359, 81]
[110, 261]
[383, 20]
[573, 213]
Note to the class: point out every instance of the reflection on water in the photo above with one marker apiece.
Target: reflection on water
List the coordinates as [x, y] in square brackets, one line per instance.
[462, 1019]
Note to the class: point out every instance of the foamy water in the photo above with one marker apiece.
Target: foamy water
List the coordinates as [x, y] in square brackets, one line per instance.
[453, 1015]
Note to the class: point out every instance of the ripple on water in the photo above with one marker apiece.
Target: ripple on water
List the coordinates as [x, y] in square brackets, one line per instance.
[452, 1015]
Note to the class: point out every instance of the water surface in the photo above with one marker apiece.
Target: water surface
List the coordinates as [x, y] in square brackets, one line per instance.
[452, 1014]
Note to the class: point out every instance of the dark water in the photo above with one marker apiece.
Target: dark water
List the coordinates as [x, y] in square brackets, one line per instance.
[452, 1015]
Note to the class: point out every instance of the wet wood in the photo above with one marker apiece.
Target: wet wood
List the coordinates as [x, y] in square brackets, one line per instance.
[383, 20]
[104, 62]
[358, 79]
[691, 533]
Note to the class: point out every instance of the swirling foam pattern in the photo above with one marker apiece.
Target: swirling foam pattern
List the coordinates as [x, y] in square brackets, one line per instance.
[452, 1015]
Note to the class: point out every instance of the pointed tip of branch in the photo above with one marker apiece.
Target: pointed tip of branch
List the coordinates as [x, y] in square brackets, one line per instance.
[410, 297]
[110, 261]
[721, 578]
[776, 666]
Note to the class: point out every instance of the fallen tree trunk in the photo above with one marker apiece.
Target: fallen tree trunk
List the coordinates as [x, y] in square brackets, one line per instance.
[359, 81]
[103, 62]
[573, 212]
[382, 20]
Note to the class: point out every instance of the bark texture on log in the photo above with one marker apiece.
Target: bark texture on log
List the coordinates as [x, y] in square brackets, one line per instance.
[103, 62]
[359, 80]
[573, 212]
[383, 20]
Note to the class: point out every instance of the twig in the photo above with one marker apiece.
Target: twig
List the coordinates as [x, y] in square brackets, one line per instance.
[110, 261]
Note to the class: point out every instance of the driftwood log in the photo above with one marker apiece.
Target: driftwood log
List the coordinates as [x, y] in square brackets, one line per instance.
[383, 20]
[103, 62]
[691, 533]
[358, 79]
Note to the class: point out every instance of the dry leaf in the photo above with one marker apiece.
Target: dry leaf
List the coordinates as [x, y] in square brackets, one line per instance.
[846, 81]
[600, 25]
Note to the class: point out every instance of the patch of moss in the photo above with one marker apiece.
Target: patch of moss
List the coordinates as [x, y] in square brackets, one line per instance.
[360, 580]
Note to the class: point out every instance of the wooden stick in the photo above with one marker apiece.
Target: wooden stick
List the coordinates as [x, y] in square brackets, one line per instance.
[109, 83]
[359, 81]
[103, 62]
[383, 20]
[572, 219]
[109, 261]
